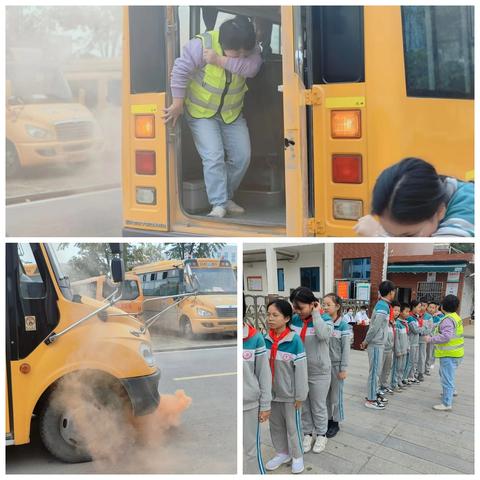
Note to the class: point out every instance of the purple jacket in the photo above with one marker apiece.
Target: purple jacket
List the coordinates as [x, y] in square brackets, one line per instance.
[192, 59]
[447, 331]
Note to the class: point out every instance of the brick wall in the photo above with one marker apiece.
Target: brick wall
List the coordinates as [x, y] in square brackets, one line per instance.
[374, 251]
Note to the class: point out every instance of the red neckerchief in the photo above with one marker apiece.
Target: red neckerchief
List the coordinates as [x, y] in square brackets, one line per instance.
[304, 328]
[251, 333]
[420, 320]
[391, 313]
[274, 349]
[404, 323]
[392, 323]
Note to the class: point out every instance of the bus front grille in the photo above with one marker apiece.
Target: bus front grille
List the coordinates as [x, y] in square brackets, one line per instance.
[68, 131]
[227, 312]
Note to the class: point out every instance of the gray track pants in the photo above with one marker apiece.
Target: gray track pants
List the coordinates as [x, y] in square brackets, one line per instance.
[422, 357]
[335, 396]
[286, 429]
[386, 368]
[430, 358]
[314, 409]
[375, 356]
[252, 453]
[401, 361]
[411, 361]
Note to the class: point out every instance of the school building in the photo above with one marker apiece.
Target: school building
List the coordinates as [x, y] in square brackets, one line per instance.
[354, 270]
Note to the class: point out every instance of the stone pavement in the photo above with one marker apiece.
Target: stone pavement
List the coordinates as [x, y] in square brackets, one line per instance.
[407, 437]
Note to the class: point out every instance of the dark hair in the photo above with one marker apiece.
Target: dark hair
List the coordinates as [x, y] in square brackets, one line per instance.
[450, 303]
[410, 191]
[404, 306]
[283, 307]
[303, 295]
[386, 287]
[395, 303]
[237, 34]
[413, 304]
[432, 302]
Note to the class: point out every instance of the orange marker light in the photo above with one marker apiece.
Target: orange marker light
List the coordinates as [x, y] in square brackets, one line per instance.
[144, 126]
[346, 124]
[25, 368]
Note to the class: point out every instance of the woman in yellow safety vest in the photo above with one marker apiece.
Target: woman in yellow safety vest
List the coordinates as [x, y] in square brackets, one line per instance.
[208, 85]
[448, 340]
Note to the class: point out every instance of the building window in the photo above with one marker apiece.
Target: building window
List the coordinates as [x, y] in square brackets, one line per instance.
[310, 278]
[281, 279]
[356, 268]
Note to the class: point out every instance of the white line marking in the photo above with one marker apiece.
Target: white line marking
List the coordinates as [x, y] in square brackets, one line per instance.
[206, 376]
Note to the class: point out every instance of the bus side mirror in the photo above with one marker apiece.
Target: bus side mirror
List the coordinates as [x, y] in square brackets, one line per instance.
[115, 248]
[118, 270]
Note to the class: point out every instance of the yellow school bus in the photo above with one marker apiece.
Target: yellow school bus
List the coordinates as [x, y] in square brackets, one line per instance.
[101, 287]
[57, 339]
[44, 124]
[344, 92]
[198, 295]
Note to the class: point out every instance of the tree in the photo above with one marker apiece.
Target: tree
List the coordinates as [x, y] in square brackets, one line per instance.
[183, 251]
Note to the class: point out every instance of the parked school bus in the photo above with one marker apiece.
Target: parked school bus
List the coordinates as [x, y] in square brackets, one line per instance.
[54, 336]
[343, 93]
[44, 125]
[212, 305]
[101, 287]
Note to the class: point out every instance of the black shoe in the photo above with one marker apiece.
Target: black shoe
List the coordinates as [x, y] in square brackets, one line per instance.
[333, 430]
[381, 399]
[420, 377]
[330, 422]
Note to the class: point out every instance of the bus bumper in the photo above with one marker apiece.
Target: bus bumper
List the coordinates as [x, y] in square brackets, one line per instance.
[143, 393]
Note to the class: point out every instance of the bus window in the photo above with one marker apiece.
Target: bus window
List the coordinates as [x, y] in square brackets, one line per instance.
[31, 284]
[337, 45]
[438, 48]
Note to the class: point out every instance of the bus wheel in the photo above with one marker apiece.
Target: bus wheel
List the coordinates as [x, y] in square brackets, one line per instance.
[186, 328]
[78, 417]
[11, 160]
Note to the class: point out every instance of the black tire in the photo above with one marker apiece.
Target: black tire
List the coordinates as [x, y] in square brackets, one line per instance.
[186, 329]
[12, 163]
[57, 426]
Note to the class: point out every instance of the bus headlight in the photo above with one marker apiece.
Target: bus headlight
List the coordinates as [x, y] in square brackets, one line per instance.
[37, 132]
[147, 354]
[204, 313]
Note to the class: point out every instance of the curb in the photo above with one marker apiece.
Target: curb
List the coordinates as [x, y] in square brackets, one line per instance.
[58, 193]
[177, 349]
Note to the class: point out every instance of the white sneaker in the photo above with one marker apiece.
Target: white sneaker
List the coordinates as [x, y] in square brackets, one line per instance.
[432, 367]
[232, 207]
[277, 460]
[320, 444]
[442, 407]
[297, 465]
[307, 443]
[217, 212]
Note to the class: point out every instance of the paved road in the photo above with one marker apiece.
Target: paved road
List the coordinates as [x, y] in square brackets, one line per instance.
[205, 442]
[407, 437]
[94, 214]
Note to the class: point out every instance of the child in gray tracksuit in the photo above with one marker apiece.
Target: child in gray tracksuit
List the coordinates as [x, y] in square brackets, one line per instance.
[288, 365]
[389, 363]
[401, 346]
[257, 395]
[314, 330]
[374, 342]
[413, 334]
[339, 354]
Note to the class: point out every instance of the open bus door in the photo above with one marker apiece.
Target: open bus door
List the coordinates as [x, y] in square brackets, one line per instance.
[147, 32]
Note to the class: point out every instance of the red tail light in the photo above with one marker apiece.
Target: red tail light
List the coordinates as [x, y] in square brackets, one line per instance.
[145, 163]
[347, 168]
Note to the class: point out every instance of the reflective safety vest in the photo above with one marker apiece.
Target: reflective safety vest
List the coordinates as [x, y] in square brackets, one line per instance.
[213, 89]
[454, 347]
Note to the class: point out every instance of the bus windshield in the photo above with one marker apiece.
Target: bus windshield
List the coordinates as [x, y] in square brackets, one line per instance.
[37, 84]
[215, 280]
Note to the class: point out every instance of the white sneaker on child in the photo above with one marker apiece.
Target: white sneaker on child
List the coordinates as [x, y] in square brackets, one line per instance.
[277, 460]
[297, 465]
[307, 443]
[320, 444]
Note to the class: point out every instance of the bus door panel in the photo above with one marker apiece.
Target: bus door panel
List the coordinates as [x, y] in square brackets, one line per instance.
[145, 158]
[294, 114]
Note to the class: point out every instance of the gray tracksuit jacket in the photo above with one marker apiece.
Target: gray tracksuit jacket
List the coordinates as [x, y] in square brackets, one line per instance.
[257, 378]
[317, 340]
[340, 344]
[388, 346]
[401, 339]
[413, 330]
[378, 329]
[290, 380]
